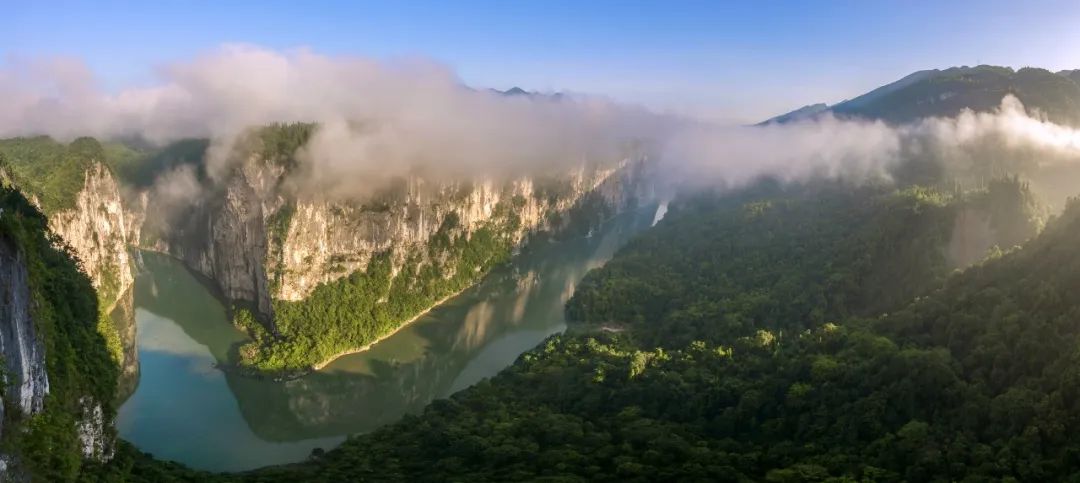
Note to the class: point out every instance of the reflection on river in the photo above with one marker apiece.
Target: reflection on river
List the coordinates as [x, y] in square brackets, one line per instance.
[188, 410]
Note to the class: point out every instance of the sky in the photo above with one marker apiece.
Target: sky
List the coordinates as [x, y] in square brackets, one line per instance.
[740, 61]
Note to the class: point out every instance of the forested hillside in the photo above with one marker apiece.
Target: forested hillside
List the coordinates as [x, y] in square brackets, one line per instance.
[806, 331]
[782, 333]
[785, 353]
[48, 426]
[789, 259]
[49, 170]
[947, 92]
[971, 380]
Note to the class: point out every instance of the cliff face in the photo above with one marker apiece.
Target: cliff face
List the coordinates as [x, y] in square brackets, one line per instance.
[55, 401]
[25, 380]
[325, 241]
[97, 229]
[100, 229]
[258, 242]
[223, 237]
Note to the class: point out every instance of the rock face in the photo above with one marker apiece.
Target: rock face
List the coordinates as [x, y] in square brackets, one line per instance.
[258, 242]
[326, 241]
[91, 427]
[25, 381]
[223, 237]
[97, 228]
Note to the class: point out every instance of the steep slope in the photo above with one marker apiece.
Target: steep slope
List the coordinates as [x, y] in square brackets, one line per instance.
[73, 185]
[773, 382]
[267, 245]
[60, 377]
[796, 258]
[948, 92]
[98, 231]
[325, 276]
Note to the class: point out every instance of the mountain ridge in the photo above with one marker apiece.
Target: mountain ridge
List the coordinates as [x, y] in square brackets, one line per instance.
[947, 92]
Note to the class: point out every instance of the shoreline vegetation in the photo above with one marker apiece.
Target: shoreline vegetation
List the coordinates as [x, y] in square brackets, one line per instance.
[351, 313]
[358, 311]
[321, 365]
[234, 365]
[439, 303]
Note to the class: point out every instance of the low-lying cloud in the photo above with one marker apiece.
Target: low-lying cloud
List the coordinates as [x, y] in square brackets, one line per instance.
[380, 120]
[1006, 140]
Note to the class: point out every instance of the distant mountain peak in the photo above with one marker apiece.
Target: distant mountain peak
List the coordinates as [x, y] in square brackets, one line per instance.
[804, 112]
[517, 91]
[929, 93]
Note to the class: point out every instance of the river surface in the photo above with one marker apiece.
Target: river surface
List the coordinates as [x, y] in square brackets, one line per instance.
[186, 409]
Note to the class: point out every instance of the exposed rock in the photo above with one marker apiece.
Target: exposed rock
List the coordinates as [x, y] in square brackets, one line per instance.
[25, 380]
[223, 237]
[258, 242]
[98, 231]
[93, 434]
[326, 241]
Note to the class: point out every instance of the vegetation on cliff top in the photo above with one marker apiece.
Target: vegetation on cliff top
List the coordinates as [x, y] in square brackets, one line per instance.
[762, 356]
[51, 171]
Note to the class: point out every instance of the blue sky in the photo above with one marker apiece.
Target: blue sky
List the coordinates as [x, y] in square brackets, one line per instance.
[724, 60]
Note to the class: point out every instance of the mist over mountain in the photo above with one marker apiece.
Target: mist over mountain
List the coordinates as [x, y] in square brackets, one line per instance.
[799, 267]
[425, 241]
[385, 120]
[945, 93]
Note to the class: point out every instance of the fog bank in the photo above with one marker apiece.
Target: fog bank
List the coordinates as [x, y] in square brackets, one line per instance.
[379, 120]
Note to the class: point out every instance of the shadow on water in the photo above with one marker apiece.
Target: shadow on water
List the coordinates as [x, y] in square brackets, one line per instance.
[212, 419]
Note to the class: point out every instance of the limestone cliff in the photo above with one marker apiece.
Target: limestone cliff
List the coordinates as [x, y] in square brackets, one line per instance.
[323, 241]
[97, 229]
[25, 381]
[57, 388]
[258, 241]
[223, 237]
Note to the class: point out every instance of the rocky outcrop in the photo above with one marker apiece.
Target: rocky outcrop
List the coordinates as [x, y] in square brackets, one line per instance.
[93, 432]
[98, 231]
[325, 241]
[25, 381]
[259, 242]
[223, 236]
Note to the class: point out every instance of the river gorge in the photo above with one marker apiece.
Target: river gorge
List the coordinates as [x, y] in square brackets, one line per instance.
[188, 409]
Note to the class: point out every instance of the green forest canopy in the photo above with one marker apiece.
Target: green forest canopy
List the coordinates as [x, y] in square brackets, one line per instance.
[971, 379]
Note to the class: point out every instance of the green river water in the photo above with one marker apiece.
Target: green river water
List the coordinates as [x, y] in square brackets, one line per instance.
[186, 409]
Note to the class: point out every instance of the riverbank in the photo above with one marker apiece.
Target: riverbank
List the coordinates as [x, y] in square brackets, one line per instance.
[383, 337]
